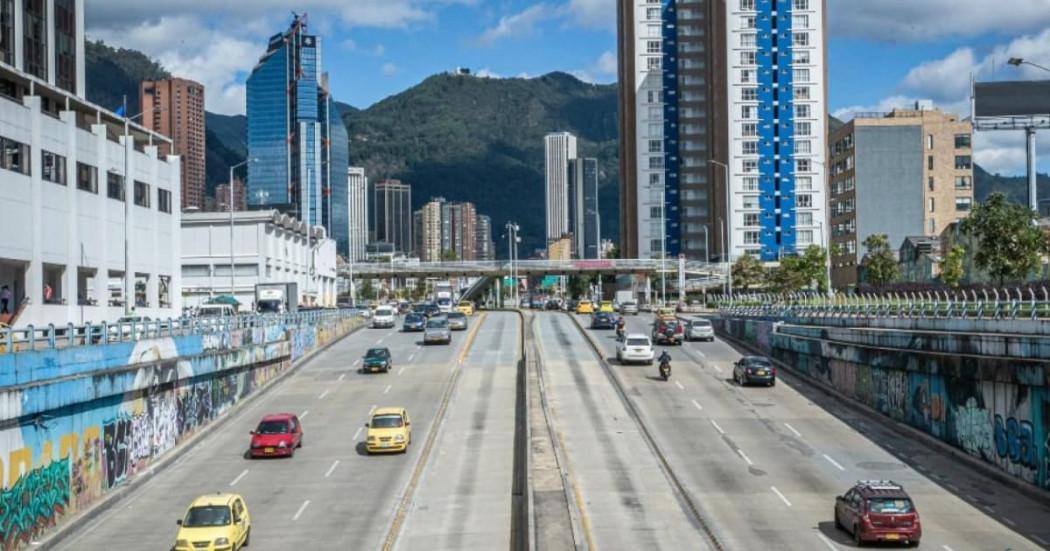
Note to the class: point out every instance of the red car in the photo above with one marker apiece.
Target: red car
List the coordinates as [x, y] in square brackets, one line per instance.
[277, 436]
[878, 511]
[668, 331]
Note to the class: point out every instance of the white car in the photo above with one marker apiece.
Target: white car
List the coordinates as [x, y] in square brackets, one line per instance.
[384, 317]
[699, 330]
[445, 305]
[635, 348]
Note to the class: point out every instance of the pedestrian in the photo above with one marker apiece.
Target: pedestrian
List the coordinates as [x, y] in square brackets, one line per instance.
[49, 293]
[5, 299]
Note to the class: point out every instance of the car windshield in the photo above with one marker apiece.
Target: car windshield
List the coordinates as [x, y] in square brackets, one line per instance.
[889, 505]
[384, 312]
[758, 362]
[386, 422]
[376, 353]
[419, 308]
[637, 342]
[210, 515]
[444, 301]
[457, 316]
[437, 324]
[272, 427]
[413, 318]
[701, 323]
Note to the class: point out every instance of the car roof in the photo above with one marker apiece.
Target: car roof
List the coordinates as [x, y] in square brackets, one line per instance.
[881, 488]
[379, 349]
[218, 498]
[756, 359]
[388, 411]
[277, 417]
[637, 336]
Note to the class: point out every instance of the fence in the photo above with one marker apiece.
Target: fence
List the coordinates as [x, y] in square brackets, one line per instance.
[51, 336]
[1012, 304]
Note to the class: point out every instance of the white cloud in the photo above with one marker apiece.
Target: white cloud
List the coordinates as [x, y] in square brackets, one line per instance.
[603, 70]
[487, 73]
[944, 79]
[920, 21]
[517, 25]
[388, 69]
[596, 14]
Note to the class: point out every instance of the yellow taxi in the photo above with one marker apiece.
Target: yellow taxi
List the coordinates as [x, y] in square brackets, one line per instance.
[606, 306]
[584, 307]
[466, 307]
[665, 314]
[215, 522]
[389, 430]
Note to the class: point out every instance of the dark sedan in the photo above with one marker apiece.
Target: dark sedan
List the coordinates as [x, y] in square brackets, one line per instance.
[376, 360]
[602, 320]
[754, 369]
[414, 322]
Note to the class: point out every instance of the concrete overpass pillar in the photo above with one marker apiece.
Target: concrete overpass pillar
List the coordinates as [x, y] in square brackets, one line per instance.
[499, 293]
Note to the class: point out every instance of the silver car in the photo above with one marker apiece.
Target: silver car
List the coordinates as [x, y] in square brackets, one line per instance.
[700, 330]
[457, 321]
[629, 308]
[437, 331]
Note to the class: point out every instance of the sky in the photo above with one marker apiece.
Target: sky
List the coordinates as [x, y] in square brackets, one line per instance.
[881, 53]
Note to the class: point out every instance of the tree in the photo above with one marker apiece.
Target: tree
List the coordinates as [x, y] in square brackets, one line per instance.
[791, 276]
[1008, 241]
[952, 267]
[880, 262]
[368, 291]
[814, 267]
[580, 286]
[448, 256]
[748, 272]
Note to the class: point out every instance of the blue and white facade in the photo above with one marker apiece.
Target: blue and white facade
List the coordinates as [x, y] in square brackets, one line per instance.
[777, 129]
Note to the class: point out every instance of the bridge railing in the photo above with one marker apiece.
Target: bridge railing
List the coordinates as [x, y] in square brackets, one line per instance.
[496, 267]
[1004, 304]
[51, 336]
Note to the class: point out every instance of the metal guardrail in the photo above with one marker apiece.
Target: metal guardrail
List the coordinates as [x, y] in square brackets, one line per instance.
[992, 304]
[499, 267]
[52, 336]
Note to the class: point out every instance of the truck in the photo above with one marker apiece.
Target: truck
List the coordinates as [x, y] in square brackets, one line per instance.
[276, 298]
[624, 296]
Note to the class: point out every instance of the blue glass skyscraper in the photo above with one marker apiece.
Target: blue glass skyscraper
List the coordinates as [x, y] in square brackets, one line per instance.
[297, 143]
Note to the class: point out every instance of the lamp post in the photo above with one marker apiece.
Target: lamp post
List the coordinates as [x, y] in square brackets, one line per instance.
[129, 280]
[663, 245]
[727, 225]
[1033, 200]
[232, 168]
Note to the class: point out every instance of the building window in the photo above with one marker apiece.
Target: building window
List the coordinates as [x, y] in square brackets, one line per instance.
[87, 178]
[930, 183]
[802, 111]
[751, 219]
[164, 200]
[804, 237]
[747, 76]
[804, 201]
[803, 165]
[750, 201]
[803, 128]
[34, 42]
[963, 162]
[963, 204]
[750, 148]
[929, 162]
[800, 57]
[801, 5]
[800, 21]
[750, 183]
[751, 238]
[653, 47]
[929, 142]
[747, 5]
[804, 219]
[114, 186]
[748, 112]
[800, 39]
[803, 146]
[962, 141]
[748, 40]
[749, 94]
[749, 129]
[656, 163]
[653, 63]
[54, 167]
[932, 205]
[963, 182]
[141, 194]
[747, 58]
[16, 156]
[931, 225]
[749, 22]
[801, 75]
[801, 92]
[750, 165]
[654, 179]
[656, 245]
[656, 146]
[652, 13]
[804, 183]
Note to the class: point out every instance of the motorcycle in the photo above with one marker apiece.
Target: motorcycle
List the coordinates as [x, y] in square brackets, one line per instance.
[665, 370]
[619, 332]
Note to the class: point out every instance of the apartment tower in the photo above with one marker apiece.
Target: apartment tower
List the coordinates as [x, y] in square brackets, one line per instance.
[357, 187]
[392, 215]
[559, 149]
[175, 108]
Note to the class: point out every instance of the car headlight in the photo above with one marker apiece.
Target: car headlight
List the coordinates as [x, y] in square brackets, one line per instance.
[182, 543]
[282, 445]
[371, 438]
[399, 438]
[222, 541]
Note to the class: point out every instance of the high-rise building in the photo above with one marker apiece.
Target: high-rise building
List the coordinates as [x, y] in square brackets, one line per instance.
[586, 225]
[357, 188]
[430, 231]
[906, 173]
[485, 246]
[222, 196]
[559, 149]
[672, 101]
[175, 108]
[458, 233]
[296, 139]
[391, 210]
[777, 126]
[46, 45]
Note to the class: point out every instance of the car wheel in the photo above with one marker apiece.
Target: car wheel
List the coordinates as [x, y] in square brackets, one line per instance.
[248, 537]
[772, 383]
[838, 525]
[856, 536]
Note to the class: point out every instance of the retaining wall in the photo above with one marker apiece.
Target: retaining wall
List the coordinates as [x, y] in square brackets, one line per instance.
[987, 395]
[76, 423]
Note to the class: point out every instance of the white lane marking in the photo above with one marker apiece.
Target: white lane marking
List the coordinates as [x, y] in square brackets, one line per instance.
[304, 414]
[239, 477]
[952, 487]
[989, 509]
[400, 371]
[792, 429]
[331, 469]
[323, 394]
[827, 542]
[780, 495]
[358, 433]
[357, 361]
[371, 410]
[720, 431]
[833, 462]
[387, 389]
[744, 455]
[697, 404]
[380, 341]
[718, 369]
[301, 509]
[679, 385]
[946, 548]
[412, 355]
[970, 497]
[1039, 539]
[1010, 522]
[343, 376]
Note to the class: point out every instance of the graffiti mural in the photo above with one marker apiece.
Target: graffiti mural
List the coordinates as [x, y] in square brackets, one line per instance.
[33, 504]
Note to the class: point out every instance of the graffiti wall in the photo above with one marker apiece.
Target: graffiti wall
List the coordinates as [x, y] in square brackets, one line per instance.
[992, 408]
[72, 441]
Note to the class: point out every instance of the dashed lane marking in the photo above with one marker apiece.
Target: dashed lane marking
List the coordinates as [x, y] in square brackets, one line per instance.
[697, 404]
[239, 477]
[412, 355]
[343, 376]
[780, 495]
[323, 394]
[827, 542]
[372, 409]
[1010, 522]
[679, 385]
[400, 371]
[833, 462]
[304, 414]
[718, 369]
[302, 508]
[387, 389]
[745, 457]
[718, 428]
[792, 429]
[332, 468]
[358, 433]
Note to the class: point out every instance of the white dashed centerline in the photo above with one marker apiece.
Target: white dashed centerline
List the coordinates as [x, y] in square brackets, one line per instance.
[358, 433]
[239, 477]
[387, 389]
[827, 542]
[343, 376]
[833, 462]
[679, 385]
[304, 414]
[323, 394]
[745, 457]
[718, 428]
[946, 548]
[792, 429]
[372, 409]
[1040, 540]
[780, 495]
[357, 361]
[412, 355]
[718, 369]
[697, 404]
[332, 468]
[302, 508]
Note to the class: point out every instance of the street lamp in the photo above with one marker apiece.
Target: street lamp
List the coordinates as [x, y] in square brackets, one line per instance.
[232, 168]
[727, 224]
[1017, 62]
[1033, 191]
[129, 289]
[512, 245]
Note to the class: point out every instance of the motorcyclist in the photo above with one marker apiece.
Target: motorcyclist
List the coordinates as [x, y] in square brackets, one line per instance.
[665, 361]
[620, 328]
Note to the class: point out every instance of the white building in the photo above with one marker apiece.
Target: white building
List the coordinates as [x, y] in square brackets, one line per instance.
[269, 247]
[358, 194]
[559, 148]
[62, 200]
[777, 128]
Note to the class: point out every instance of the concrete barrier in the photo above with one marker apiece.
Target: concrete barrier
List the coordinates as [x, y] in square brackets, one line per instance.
[987, 396]
[77, 424]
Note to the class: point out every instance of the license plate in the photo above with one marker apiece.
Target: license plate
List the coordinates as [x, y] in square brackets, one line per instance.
[268, 450]
[760, 372]
[385, 444]
[893, 536]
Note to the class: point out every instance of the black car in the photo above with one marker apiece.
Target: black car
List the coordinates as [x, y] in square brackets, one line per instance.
[432, 310]
[754, 369]
[414, 322]
[552, 304]
[603, 320]
[377, 359]
[419, 308]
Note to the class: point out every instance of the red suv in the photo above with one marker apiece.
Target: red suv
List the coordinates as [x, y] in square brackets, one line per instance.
[668, 331]
[277, 436]
[878, 511]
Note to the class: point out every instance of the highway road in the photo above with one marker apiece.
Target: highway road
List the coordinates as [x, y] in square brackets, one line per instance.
[332, 495]
[767, 463]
